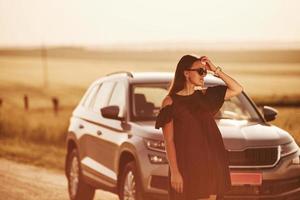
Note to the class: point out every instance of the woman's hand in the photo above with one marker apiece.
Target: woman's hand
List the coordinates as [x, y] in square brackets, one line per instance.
[208, 64]
[234, 88]
[177, 181]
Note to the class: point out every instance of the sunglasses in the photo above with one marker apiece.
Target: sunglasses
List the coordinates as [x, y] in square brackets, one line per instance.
[201, 71]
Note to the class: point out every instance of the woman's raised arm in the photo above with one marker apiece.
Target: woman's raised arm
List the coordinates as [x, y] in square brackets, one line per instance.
[234, 88]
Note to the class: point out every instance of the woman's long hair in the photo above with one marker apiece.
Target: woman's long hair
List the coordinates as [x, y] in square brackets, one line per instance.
[179, 79]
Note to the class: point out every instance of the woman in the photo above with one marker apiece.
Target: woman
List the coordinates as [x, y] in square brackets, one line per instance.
[198, 160]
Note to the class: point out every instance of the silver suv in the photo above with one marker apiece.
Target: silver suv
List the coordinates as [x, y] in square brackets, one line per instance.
[112, 143]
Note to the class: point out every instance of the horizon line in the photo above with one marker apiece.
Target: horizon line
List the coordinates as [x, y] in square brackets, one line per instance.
[171, 45]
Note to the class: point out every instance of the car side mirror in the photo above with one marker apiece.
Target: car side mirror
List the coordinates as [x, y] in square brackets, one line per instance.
[111, 112]
[269, 113]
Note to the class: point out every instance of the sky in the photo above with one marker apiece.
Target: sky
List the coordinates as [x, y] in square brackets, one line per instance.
[107, 23]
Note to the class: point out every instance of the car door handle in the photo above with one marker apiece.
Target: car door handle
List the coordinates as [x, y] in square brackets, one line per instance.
[81, 126]
[99, 132]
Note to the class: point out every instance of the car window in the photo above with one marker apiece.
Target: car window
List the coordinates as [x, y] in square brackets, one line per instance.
[237, 107]
[93, 97]
[103, 96]
[119, 98]
[147, 100]
[91, 94]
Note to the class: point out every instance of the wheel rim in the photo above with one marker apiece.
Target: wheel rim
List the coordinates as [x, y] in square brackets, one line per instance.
[74, 176]
[129, 186]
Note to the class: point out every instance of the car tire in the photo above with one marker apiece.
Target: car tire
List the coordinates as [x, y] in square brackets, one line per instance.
[77, 188]
[130, 183]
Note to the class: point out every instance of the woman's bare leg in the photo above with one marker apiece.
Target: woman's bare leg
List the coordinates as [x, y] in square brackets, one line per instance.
[211, 197]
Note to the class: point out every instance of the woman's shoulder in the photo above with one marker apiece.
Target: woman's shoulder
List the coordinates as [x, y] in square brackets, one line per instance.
[167, 101]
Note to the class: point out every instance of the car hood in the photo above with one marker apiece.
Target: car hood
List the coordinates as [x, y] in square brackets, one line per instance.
[237, 134]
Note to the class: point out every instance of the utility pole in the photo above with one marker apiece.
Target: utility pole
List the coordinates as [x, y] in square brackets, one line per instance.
[45, 66]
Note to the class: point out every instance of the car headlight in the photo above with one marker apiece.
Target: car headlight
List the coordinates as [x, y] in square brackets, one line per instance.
[157, 159]
[156, 145]
[289, 148]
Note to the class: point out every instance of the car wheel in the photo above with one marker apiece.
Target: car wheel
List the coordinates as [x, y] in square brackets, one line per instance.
[78, 189]
[130, 185]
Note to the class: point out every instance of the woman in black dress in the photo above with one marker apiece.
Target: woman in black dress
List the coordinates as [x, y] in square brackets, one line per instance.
[198, 160]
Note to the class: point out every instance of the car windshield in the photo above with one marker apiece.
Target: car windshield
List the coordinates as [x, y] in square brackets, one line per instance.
[147, 99]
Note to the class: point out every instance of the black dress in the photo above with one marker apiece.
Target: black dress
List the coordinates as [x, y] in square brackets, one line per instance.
[201, 156]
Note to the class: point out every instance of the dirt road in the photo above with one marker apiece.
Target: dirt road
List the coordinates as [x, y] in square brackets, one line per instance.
[26, 182]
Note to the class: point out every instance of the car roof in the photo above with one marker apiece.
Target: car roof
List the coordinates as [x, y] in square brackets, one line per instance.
[154, 77]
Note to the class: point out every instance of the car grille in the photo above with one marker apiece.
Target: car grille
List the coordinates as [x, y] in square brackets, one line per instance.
[254, 157]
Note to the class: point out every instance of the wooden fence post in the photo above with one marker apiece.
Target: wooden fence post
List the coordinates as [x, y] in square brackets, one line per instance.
[55, 103]
[26, 102]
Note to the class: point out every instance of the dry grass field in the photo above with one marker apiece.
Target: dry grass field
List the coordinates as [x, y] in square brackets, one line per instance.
[37, 135]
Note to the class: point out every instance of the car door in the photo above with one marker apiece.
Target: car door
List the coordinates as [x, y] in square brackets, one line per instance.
[105, 134]
[94, 138]
[112, 133]
[85, 127]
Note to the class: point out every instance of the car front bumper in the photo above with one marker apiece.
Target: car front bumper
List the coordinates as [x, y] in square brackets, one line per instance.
[279, 182]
